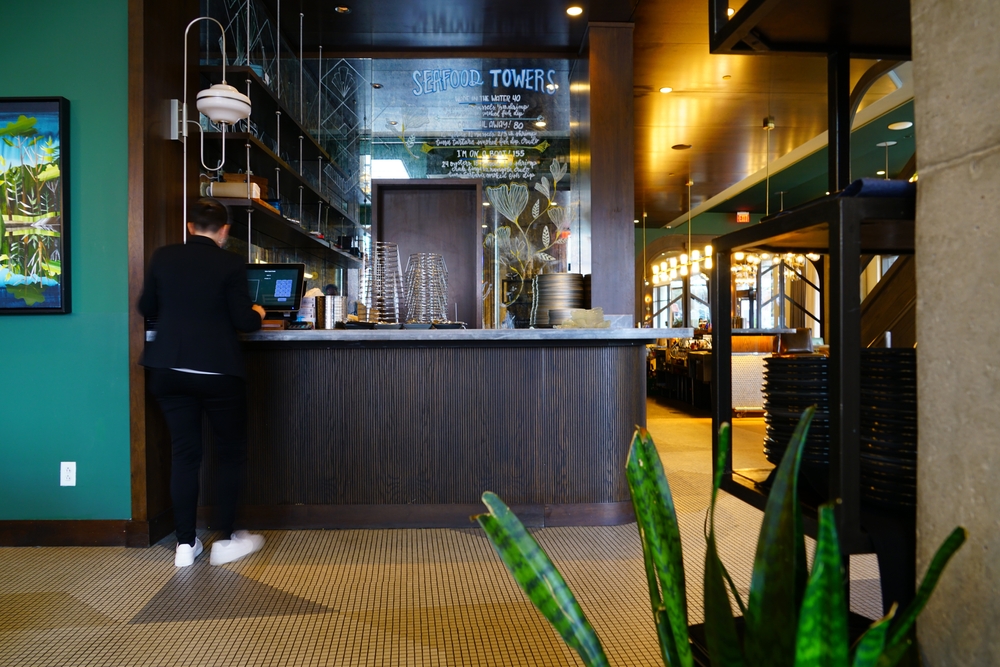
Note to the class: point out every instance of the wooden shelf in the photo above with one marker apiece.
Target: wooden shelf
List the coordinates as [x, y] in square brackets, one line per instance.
[265, 104]
[263, 162]
[286, 234]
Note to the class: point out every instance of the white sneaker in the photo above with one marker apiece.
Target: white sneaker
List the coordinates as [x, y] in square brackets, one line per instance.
[242, 544]
[186, 553]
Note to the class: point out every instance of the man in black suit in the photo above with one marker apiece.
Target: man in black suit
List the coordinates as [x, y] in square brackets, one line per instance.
[198, 293]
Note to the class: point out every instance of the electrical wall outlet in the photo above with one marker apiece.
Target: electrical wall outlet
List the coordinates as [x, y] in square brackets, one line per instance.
[67, 473]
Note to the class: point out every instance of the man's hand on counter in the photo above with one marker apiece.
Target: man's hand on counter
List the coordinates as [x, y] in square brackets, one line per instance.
[259, 309]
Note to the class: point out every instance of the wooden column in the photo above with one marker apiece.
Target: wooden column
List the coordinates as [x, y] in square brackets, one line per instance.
[612, 182]
[155, 61]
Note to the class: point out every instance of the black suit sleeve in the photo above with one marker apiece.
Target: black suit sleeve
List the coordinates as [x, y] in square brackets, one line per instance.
[241, 311]
[149, 303]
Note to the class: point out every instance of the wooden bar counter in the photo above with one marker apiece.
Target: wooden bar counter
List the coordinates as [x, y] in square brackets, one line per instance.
[407, 428]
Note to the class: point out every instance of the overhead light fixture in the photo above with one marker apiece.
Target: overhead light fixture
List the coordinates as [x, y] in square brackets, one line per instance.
[552, 87]
[342, 9]
[223, 104]
[885, 145]
[486, 203]
[574, 10]
[727, 77]
[636, 221]
[901, 125]
[880, 172]
[681, 147]
[540, 123]
[376, 86]
[666, 89]
[730, 11]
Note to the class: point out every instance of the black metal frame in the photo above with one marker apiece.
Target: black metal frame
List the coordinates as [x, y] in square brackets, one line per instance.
[65, 275]
[845, 228]
[741, 34]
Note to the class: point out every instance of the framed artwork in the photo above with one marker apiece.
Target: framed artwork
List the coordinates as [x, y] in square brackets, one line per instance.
[34, 205]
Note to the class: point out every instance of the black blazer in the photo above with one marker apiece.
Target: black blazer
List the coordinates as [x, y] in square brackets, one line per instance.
[198, 292]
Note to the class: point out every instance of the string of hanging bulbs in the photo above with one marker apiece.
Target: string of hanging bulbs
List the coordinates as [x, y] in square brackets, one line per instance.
[670, 269]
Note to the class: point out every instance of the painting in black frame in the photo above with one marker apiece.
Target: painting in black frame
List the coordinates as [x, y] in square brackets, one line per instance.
[34, 206]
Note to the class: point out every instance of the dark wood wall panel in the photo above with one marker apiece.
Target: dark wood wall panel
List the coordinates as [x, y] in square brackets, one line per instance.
[155, 75]
[438, 425]
[612, 166]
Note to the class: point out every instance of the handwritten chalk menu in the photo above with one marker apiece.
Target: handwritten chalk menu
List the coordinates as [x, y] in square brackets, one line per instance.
[499, 120]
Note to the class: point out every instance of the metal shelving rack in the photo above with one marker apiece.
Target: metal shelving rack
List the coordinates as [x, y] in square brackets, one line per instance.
[845, 229]
[261, 160]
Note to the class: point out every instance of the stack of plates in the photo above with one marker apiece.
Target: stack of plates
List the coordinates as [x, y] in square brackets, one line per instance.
[888, 433]
[555, 291]
[792, 384]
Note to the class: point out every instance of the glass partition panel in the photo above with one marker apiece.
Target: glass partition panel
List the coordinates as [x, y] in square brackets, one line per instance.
[506, 122]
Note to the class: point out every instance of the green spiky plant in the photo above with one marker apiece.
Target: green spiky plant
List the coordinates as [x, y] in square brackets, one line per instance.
[791, 618]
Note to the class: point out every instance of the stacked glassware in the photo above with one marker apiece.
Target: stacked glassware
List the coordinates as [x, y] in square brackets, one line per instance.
[555, 291]
[383, 288]
[426, 288]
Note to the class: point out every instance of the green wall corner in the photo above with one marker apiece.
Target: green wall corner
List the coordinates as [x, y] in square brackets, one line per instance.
[64, 378]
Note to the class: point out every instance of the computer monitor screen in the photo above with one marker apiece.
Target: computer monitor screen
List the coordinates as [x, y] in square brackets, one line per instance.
[276, 287]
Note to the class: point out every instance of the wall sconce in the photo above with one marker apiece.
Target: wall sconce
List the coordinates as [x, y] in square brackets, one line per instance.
[223, 104]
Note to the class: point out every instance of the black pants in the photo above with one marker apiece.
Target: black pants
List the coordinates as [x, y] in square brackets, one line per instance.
[183, 397]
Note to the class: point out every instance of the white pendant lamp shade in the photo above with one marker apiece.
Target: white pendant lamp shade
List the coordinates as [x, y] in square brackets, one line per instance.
[223, 104]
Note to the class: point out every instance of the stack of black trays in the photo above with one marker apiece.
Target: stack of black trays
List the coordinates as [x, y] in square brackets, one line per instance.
[792, 384]
[888, 434]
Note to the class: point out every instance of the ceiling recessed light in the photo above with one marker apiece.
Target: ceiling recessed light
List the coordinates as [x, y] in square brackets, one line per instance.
[342, 9]
[376, 85]
[666, 89]
[885, 144]
[540, 123]
[636, 221]
[574, 10]
[901, 125]
[730, 11]
[392, 122]
[880, 172]
[727, 77]
[681, 147]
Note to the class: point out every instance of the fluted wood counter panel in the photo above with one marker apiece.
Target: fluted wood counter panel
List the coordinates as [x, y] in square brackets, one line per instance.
[544, 427]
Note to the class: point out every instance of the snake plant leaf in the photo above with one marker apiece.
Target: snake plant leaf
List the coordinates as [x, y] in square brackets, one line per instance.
[668, 647]
[898, 642]
[720, 627]
[822, 639]
[539, 578]
[772, 610]
[658, 529]
[871, 644]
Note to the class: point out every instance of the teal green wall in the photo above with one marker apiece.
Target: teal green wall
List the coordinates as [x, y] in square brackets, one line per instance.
[64, 378]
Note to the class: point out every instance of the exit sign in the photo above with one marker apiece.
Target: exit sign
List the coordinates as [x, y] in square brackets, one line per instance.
[743, 216]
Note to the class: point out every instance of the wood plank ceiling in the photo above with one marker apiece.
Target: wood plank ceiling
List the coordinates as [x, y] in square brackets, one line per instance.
[717, 105]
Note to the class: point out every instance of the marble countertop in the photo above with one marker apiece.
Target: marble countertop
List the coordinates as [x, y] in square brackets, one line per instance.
[468, 335]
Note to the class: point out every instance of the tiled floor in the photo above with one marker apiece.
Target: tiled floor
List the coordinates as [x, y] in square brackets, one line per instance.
[365, 597]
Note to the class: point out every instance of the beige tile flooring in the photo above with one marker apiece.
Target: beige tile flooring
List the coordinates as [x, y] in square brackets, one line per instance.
[374, 597]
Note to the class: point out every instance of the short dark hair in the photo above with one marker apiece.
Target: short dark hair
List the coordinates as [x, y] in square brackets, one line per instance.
[208, 215]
